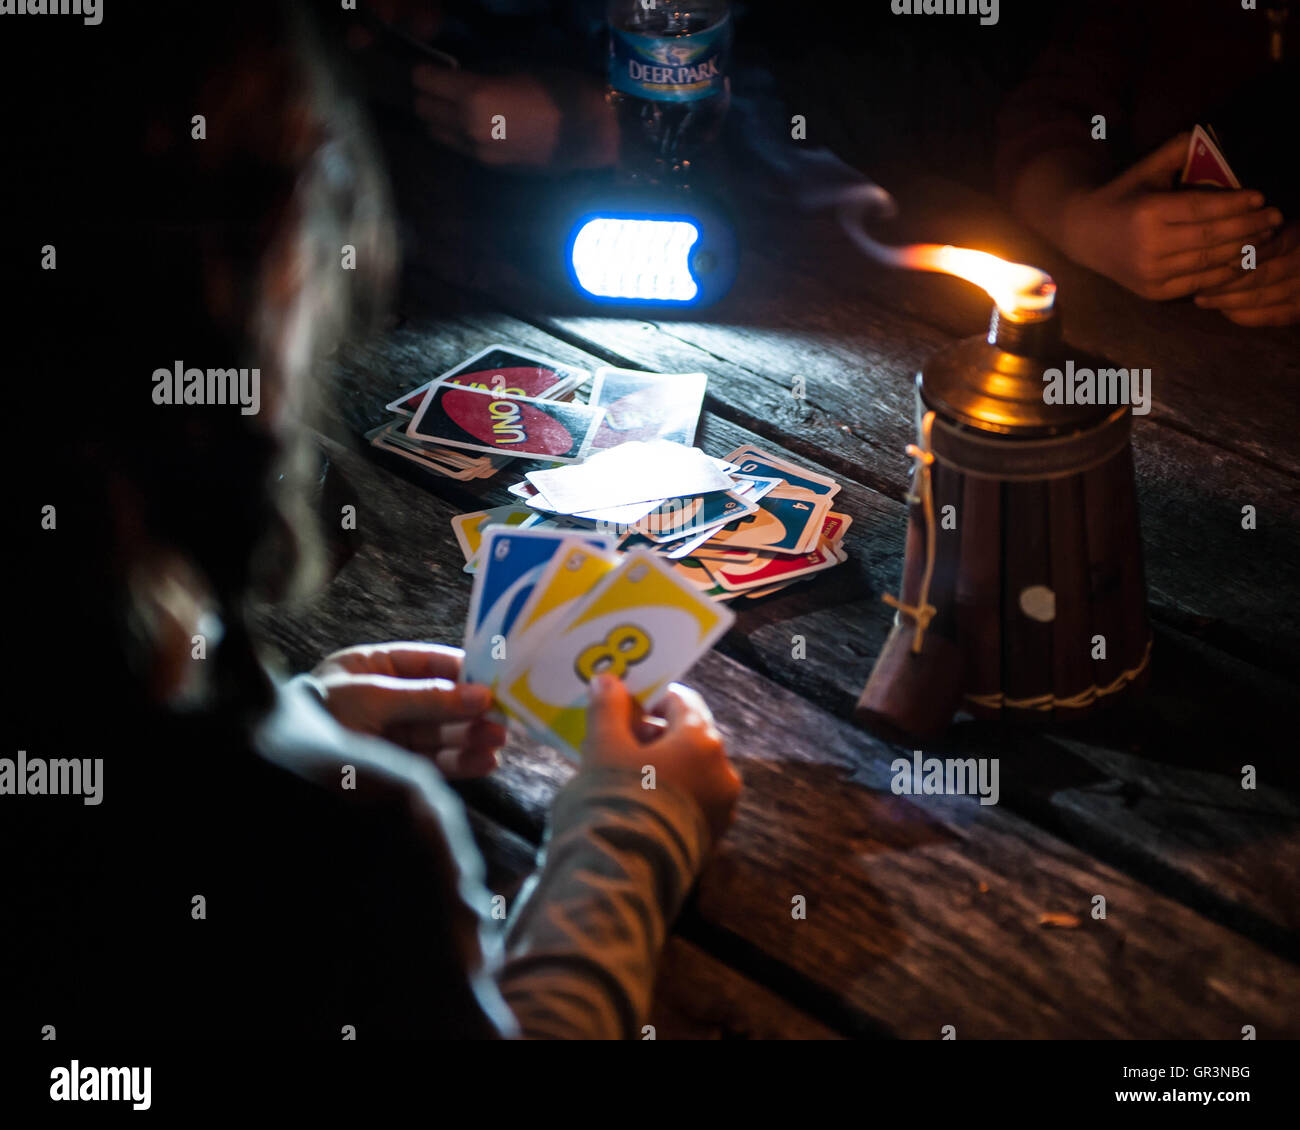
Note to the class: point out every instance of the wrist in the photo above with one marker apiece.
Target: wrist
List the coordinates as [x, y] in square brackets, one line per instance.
[608, 788]
[1074, 225]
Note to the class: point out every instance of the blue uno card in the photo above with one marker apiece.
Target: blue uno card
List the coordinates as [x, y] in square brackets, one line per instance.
[511, 561]
[794, 514]
[677, 518]
[753, 462]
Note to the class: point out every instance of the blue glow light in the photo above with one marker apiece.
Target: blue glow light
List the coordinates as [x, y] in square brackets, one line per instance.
[636, 258]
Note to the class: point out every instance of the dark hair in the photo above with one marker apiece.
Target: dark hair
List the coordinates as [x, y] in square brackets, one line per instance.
[169, 248]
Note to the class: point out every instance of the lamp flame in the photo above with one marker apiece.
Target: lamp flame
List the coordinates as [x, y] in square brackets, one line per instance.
[1020, 291]
[1017, 288]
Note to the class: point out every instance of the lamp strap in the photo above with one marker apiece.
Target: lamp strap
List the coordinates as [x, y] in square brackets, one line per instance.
[922, 612]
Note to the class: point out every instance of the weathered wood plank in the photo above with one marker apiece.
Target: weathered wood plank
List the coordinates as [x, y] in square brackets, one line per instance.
[856, 419]
[843, 622]
[1230, 385]
[899, 925]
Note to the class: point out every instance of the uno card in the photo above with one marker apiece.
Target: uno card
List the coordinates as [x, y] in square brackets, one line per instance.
[712, 553]
[690, 569]
[835, 527]
[523, 427]
[689, 546]
[385, 439]
[787, 524]
[766, 571]
[752, 489]
[501, 369]
[612, 516]
[1205, 166]
[510, 563]
[643, 406]
[572, 575]
[676, 518]
[753, 461]
[631, 472]
[755, 487]
[643, 624]
[469, 528]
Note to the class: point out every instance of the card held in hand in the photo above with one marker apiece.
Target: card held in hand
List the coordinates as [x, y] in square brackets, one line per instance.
[510, 563]
[1205, 166]
[643, 624]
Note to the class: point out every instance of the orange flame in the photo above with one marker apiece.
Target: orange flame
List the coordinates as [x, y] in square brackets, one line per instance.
[1017, 288]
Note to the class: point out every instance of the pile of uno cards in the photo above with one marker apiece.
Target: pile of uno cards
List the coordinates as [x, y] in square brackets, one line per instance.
[584, 577]
[747, 524]
[622, 545]
[506, 402]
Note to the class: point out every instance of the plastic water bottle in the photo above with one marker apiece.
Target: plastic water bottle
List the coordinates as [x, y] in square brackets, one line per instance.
[668, 81]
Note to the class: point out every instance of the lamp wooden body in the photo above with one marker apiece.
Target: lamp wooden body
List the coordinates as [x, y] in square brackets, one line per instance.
[1036, 598]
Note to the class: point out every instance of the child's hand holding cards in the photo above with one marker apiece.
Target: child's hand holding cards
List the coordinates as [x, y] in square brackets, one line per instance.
[553, 608]
[642, 624]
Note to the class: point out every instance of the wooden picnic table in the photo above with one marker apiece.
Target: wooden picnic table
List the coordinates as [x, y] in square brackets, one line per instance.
[921, 912]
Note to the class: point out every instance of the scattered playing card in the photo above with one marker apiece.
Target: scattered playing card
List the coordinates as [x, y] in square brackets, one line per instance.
[469, 528]
[762, 571]
[645, 406]
[441, 461]
[677, 518]
[782, 524]
[502, 369]
[522, 427]
[632, 472]
[753, 461]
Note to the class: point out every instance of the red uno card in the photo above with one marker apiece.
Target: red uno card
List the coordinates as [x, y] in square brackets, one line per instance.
[765, 571]
[645, 406]
[1205, 166]
[519, 426]
[503, 370]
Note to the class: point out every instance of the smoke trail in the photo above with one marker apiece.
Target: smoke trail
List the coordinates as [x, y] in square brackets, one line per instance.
[1016, 287]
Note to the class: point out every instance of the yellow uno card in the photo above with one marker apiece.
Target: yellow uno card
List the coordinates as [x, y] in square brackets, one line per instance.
[469, 528]
[571, 576]
[643, 624]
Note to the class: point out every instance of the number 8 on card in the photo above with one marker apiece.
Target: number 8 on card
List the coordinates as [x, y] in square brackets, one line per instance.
[624, 646]
[642, 624]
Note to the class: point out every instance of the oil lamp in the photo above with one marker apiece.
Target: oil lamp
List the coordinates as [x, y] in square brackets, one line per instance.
[1022, 592]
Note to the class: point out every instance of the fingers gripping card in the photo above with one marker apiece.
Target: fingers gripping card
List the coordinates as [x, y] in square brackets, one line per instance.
[644, 625]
